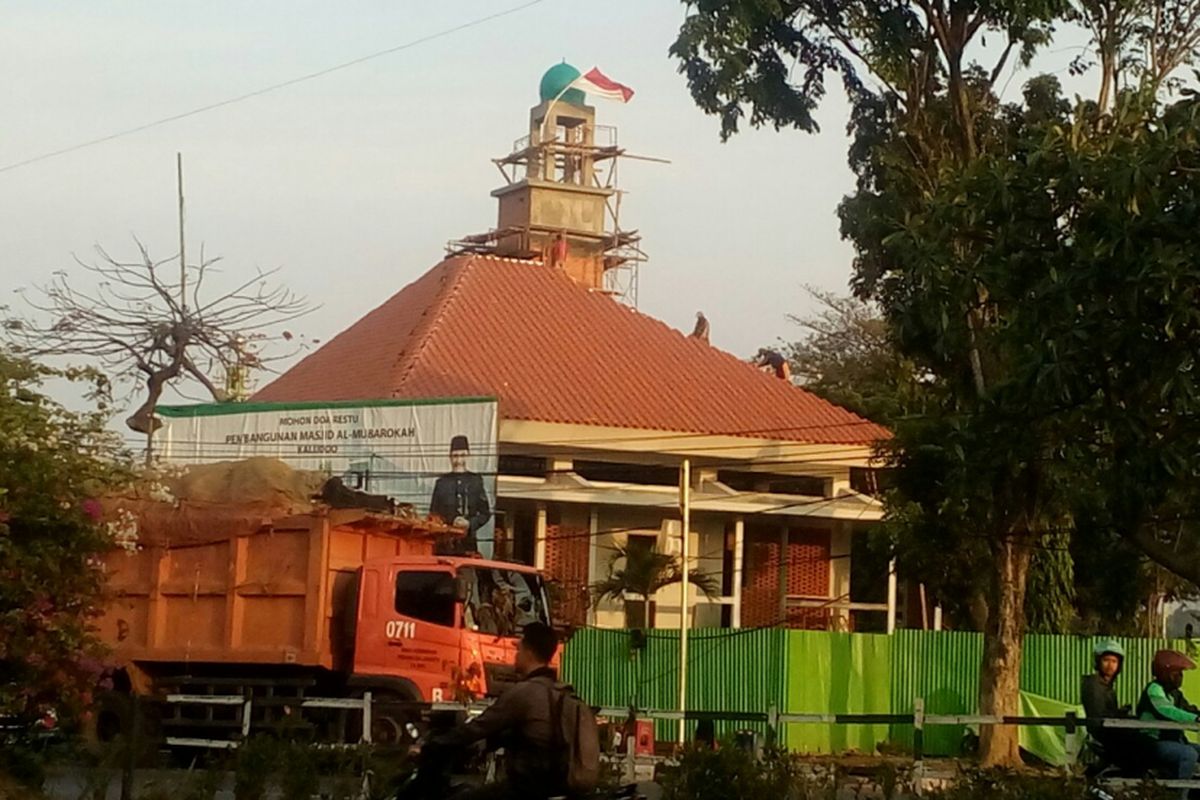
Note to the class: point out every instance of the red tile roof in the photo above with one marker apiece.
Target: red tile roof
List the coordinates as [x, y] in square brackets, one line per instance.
[553, 351]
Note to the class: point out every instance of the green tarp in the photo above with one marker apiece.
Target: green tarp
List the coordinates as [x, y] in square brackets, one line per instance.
[1048, 744]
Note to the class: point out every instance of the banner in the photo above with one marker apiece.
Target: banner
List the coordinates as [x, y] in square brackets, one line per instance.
[440, 456]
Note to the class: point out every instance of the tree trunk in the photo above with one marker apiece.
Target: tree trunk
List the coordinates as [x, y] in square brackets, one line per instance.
[999, 680]
[961, 104]
[143, 419]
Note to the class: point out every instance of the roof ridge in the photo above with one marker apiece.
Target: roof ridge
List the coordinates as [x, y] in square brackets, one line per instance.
[723, 353]
[433, 315]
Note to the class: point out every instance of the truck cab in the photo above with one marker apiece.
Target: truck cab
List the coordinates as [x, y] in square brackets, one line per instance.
[441, 629]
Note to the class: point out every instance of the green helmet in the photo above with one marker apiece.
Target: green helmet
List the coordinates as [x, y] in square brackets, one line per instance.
[1106, 647]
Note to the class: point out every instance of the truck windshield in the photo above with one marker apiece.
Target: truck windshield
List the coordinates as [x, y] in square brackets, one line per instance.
[502, 602]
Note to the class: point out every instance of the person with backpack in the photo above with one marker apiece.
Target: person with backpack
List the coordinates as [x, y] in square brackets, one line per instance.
[550, 738]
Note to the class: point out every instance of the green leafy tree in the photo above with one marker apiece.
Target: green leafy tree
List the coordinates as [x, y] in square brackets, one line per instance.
[53, 464]
[642, 572]
[846, 356]
[1007, 246]
[1086, 580]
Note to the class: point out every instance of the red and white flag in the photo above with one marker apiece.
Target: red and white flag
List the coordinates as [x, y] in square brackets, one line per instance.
[596, 83]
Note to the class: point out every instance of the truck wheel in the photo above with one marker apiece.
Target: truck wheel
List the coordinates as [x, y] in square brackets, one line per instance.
[106, 720]
[393, 721]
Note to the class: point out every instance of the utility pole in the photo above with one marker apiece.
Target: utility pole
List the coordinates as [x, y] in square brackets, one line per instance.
[685, 509]
[182, 287]
[182, 256]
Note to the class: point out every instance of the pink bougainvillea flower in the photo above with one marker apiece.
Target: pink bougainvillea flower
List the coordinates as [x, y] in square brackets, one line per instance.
[91, 507]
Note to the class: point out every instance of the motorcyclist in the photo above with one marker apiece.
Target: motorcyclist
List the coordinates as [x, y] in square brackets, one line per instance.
[520, 721]
[1163, 700]
[1127, 749]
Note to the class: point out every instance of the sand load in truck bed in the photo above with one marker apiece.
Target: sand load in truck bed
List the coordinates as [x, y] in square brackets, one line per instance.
[257, 482]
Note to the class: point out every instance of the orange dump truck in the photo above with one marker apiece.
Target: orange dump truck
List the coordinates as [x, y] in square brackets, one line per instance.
[330, 603]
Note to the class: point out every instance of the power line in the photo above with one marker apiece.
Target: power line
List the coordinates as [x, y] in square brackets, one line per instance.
[274, 87]
[818, 453]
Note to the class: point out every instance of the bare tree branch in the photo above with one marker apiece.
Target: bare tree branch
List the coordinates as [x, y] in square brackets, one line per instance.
[134, 320]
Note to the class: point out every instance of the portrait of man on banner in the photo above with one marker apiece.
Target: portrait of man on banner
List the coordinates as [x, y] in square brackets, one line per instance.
[460, 499]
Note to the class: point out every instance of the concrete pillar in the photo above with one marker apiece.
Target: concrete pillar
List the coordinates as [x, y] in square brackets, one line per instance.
[840, 544]
[557, 466]
[739, 561]
[784, 540]
[891, 597]
[839, 484]
[593, 557]
[539, 542]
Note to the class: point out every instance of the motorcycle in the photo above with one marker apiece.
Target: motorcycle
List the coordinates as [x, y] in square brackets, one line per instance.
[440, 776]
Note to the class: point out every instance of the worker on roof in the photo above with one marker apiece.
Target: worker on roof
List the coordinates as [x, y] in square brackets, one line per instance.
[773, 361]
[1163, 700]
[1123, 747]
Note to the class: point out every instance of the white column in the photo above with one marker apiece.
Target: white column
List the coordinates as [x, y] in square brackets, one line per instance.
[593, 560]
[685, 507]
[739, 559]
[539, 541]
[840, 549]
[891, 597]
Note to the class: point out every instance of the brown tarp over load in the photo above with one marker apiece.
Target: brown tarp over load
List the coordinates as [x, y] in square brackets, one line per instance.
[204, 502]
[259, 482]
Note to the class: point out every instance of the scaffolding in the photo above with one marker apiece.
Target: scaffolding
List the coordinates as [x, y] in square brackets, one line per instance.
[585, 156]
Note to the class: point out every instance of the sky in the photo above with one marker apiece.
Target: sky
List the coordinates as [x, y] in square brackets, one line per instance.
[352, 183]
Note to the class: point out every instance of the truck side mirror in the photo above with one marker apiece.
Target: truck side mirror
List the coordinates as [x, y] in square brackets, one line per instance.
[462, 588]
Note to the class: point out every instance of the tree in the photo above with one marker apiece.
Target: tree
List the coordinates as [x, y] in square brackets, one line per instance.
[846, 357]
[1089, 580]
[54, 463]
[642, 572]
[143, 319]
[963, 221]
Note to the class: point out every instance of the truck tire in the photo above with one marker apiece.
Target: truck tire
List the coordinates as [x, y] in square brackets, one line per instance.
[396, 719]
[108, 719]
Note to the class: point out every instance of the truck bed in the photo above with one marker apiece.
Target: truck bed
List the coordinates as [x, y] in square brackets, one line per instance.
[231, 586]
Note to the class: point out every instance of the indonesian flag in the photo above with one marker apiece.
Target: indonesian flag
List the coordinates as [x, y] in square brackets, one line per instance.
[596, 83]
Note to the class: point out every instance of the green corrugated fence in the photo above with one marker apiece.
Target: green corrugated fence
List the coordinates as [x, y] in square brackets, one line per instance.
[831, 673]
[837, 673]
[728, 671]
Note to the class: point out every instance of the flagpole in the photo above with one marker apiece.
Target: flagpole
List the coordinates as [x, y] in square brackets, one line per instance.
[554, 102]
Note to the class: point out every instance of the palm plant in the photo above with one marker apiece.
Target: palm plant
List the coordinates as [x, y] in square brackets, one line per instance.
[641, 572]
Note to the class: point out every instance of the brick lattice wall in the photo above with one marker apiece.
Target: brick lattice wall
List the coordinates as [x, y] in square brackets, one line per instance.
[567, 567]
[808, 567]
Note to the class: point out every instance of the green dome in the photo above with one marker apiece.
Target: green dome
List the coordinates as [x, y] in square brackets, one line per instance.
[556, 79]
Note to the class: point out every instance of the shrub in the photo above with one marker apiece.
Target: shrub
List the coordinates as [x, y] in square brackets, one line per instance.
[1010, 785]
[730, 773]
[23, 766]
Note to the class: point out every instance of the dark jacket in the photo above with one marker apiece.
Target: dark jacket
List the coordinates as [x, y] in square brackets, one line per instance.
[520, 722]
[1122, 746]
[460, 494]
[1100, 702]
